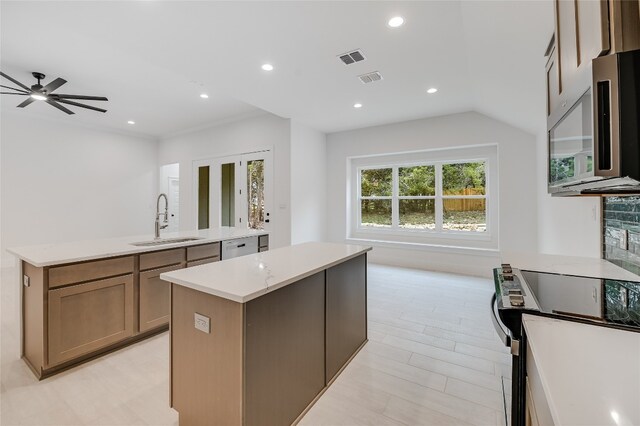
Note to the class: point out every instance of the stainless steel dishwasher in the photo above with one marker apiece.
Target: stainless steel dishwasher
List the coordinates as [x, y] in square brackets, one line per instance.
[239, 247]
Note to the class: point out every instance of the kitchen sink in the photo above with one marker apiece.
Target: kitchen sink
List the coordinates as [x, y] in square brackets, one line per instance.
[162, 241]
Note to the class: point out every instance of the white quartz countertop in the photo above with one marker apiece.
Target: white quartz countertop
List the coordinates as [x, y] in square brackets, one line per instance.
[77, 251]
[590, 374]
[242, 279]
[568, 265]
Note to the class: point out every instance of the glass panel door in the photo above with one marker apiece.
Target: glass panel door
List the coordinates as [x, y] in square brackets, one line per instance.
[255, 194]
[256, 181]
[228, 194]
[204, 212]
[234, 191]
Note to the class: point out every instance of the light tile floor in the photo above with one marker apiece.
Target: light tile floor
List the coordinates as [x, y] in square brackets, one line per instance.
[432, 359]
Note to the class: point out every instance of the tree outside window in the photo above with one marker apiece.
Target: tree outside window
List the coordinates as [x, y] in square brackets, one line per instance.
[429, 197]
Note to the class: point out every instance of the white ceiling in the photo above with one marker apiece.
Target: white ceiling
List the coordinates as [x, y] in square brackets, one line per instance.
[152, 59]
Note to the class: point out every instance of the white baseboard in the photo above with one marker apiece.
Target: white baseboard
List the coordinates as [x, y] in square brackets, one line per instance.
[456, 263]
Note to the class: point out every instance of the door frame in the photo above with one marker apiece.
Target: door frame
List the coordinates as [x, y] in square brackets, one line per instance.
[215, 178]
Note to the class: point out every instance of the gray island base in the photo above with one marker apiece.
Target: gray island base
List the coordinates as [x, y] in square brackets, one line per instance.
[256, 340]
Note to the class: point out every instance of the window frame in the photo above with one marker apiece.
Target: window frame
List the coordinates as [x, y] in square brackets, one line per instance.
[467, 154]
[438, 197]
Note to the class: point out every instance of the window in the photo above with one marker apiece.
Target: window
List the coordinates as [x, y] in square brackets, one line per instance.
[447, 198]
[424, 197]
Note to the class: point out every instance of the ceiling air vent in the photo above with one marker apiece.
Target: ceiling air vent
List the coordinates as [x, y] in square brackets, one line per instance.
[352, 57]
[370, 77]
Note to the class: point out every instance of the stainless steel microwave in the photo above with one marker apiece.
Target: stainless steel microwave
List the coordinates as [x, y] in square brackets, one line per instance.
[594, 148]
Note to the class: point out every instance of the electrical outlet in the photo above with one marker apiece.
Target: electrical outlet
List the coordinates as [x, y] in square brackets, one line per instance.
[202, 323]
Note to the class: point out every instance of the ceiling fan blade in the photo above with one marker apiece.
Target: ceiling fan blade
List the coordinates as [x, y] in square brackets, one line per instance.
[13, 88]
[54, 85]
[25, 103]
[62, 101]
[60, 107]
[14, 93]
[14, 81]
[86, 98]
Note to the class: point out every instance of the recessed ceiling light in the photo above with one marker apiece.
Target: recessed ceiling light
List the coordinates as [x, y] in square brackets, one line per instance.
[357, 105]
[131, 122]
[396, 21]
[267, 67]
[204, 96]
[432, 90]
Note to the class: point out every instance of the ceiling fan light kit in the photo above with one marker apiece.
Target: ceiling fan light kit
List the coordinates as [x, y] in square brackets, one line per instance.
[38, 92]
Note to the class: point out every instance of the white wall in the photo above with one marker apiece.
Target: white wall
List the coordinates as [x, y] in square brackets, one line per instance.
[265, 131]
[61, 182]
[308, 184]
[566, 225]
[517, 185]
[166, 172]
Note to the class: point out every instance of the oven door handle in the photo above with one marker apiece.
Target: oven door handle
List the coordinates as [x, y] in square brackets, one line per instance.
[497, 324]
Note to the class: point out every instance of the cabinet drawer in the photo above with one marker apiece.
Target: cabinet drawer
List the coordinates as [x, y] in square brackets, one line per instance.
[159, 259]
[79, 272]
[203, 261]
[154, 298]
[203, 251]
[263, 242]
[87, 317]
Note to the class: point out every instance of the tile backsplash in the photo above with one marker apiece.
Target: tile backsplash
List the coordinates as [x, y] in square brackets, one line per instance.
[621, 228]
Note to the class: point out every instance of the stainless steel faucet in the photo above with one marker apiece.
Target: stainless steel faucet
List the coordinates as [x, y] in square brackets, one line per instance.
[165, 222]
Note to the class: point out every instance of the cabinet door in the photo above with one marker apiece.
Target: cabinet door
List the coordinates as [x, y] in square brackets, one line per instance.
[553, 82]
[203, 261]
[154, 298]
[346, 312]
[566, 42]
[87, 317]
[592, 19]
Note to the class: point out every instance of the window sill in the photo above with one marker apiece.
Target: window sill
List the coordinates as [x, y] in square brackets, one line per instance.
[364, 232]
[441, 248]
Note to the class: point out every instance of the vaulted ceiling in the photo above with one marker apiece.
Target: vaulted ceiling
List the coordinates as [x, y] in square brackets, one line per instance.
[152, 59]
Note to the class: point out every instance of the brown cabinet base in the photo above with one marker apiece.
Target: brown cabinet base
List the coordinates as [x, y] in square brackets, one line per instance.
[42, 374]
[75, 312]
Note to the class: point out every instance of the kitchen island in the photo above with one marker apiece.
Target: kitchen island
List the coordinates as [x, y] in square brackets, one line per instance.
[82, 299]
[257, 339]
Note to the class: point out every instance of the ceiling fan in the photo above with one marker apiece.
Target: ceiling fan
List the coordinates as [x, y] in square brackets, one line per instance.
[38, 92]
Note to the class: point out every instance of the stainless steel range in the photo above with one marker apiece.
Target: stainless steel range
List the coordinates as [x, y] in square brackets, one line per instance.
[603, 302]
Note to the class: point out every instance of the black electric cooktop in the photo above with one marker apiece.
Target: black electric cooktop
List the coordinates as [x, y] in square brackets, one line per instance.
[604, 300]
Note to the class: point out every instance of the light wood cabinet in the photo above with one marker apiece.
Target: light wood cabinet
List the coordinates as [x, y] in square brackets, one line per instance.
[553, 79]
[202, 252]
[160, 259]
[581, 34]
[203, 261]
[76, 311]
[86, 317]
[86, 271]
[206, 253]
[154, 299]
